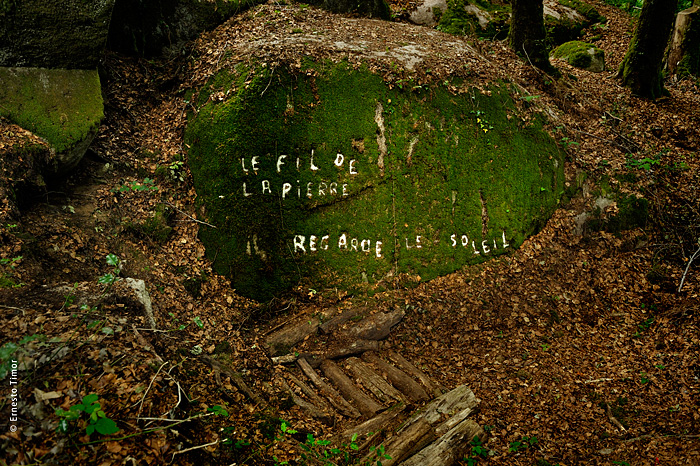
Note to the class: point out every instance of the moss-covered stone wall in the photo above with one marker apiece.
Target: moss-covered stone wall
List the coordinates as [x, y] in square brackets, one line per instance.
[331, 179]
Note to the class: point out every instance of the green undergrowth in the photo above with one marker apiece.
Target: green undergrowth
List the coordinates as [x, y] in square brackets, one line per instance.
[61, 106]
[456, 20]
[463, 179]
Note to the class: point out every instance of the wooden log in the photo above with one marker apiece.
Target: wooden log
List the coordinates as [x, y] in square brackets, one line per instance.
[375, 424]
[313, 410]
[237, 379]
[337, 321]
[357, 347]
[460, 401]
[402, 446]
[410, 369]
[283, 340]
[286, 359]
[366, 405]
[449, 448]
[377, 326]
[313, 396]
[373, 382]
[329, 392]
[398, 379]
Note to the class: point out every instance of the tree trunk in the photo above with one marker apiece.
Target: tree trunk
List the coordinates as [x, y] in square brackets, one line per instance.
[684, 52]
[527, 33]
[449, 448]
[329, 392]
[641, 68]
[398, 379]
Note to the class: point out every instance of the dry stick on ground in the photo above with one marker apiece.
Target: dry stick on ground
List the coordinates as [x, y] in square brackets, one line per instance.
[613, 419]
[192, 448]
[188, 215]
[236, 379]
[687, 267]
[143, 398]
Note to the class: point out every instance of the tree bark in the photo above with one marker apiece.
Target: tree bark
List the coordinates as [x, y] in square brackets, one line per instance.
[640, 70]
[401, 446]
[527, 33]
[410, 369]
[684, 51]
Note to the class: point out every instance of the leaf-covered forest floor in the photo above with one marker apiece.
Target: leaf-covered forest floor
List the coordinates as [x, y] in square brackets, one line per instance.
[579, 344]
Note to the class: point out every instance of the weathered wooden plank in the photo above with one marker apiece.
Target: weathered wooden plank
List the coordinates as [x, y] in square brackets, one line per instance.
[460, 401]
[449, 448]
[337, 321]
[283, 340]
[398, 378]
[366, 405]
[372, 381]
[313, 396]
[376, 326]
[402, 446]
[374, 424]
[410, 369]
[329, 392]
[357, 347]
[313, 410]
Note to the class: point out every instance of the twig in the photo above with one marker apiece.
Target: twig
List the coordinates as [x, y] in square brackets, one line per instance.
[188, 215]
[613, 419]
[146, 431]
[193, 448]
[687, 267]
[143, 398]
[598, 380]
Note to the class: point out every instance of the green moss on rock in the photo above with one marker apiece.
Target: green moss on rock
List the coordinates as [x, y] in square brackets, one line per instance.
[332, 179]
[62, 106]
[581, 55]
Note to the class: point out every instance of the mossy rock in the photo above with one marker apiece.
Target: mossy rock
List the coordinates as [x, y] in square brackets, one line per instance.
[330, 177]
[148, 27]
[581, 55]
[481, 19]
[64, 107]
[50, 34]
[565, 20]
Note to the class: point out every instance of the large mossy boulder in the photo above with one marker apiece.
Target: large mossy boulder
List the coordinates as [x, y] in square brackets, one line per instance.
[53, 34]
[64, 107]
[336, 172]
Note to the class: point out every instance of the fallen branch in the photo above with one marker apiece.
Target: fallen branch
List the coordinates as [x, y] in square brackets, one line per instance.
[143, 398]
[193, 448]
[188, 215]
[613, 419]
[687, 267]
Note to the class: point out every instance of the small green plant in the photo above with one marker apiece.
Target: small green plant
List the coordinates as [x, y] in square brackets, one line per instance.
[643, 327]
[568, 143]
[198, 322]
[110, 277]
[522, 444]
[9, 353]
[644, 164]
[7, 271]
[147, 185]
[481, 121]
[97, 419]
[477, 451]
[177, 171]
[529, 98]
